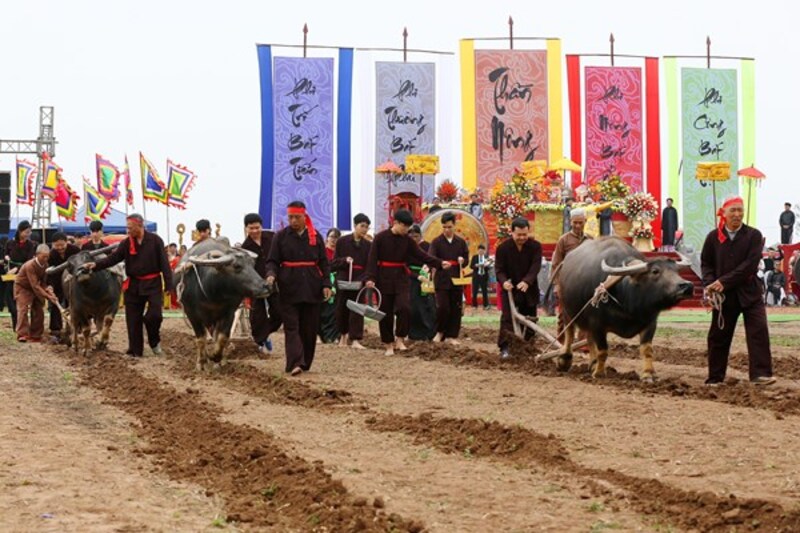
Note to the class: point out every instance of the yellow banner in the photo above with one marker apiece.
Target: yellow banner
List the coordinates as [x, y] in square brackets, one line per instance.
[422, 164]
[713, 171]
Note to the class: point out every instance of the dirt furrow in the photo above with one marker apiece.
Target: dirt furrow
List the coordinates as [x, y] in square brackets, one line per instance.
[524, 447]
[448, 492]
[777, 399]
[263, 487]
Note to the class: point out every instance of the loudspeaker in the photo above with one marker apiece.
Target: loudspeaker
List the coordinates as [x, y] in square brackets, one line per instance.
[5, 202]
[5, 218]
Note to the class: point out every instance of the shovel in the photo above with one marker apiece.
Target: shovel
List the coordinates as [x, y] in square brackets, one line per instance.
[349, 285]
[367, 310]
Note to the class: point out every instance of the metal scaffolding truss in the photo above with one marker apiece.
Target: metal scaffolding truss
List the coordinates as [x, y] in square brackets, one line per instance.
[44, 144]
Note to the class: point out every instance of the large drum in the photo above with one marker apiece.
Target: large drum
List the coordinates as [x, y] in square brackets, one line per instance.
[468, 227]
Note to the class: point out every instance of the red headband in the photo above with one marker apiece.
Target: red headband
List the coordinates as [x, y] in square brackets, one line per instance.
[312, 234]
[722, 219]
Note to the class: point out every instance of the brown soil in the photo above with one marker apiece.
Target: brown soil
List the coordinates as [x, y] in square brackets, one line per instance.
[439, 438]
[523, 447]
[258, 481]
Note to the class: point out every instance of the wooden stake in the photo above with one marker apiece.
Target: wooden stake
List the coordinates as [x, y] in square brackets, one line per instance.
[510, 33]
[405, 45]
[611, 41]
[305, 40]
[708, 52]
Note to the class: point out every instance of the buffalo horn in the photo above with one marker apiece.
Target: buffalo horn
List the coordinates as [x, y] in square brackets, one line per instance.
[248, 252]
[56, 269]
[684, 262]
[635, 268]
[223, 260]
[103, 250]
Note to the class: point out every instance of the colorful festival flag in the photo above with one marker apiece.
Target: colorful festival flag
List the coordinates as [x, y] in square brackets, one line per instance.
[66, 200]
[107, 178]
[52, 175]
[97, 206]
[25, 174]
[180, 181]
[153, 188]
[126, 176]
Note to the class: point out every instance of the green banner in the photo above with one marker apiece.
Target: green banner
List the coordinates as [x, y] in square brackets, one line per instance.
[673, 130]
[749, 136]
[710, 133]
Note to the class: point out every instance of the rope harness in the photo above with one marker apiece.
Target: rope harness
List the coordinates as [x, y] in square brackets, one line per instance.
[600, 296]
[714, 301]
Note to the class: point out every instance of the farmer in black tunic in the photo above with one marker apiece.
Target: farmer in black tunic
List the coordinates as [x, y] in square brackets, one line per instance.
[148, 271]
[95, 240]
[352, 252]
[59, 253]
[729, 263]
[452, 249]
[265, 314]
[387, 269]
[669, 225]
[517, 264]
[298, 262]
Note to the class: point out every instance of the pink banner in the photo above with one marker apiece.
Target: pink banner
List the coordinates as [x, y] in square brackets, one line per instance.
[614, 125]
[511, 111]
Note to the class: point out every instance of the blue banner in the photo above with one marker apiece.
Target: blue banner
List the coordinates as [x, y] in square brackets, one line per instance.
[303, 114]
[405, 124]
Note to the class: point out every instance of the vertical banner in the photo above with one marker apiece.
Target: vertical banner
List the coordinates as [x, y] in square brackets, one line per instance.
[748, 73]
[710, 133]
[405, 124]
[469, 140]
[653, 138]
[574, 99]
[614, 125]
[511, 111]
[344, 117]
[303, 115]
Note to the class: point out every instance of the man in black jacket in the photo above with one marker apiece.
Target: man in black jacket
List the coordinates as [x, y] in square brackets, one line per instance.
[786, 220]
[729, 263]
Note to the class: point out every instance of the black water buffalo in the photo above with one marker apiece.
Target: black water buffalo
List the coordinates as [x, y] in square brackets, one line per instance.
[212, 279]
[639, 291]
[90, 296]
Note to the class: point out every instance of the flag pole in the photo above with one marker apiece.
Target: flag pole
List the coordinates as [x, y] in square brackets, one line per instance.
[168, 221]
[144, 203]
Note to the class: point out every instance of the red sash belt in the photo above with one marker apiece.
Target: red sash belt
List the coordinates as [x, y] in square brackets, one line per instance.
[393, 264]
[127, 282]
[451, 263]
[300, 264]
[358, 267]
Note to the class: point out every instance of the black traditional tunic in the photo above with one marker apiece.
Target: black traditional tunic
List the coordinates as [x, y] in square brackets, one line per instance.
[516, 265]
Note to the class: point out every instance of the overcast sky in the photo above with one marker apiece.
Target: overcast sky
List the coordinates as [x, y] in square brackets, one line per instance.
[179, 79]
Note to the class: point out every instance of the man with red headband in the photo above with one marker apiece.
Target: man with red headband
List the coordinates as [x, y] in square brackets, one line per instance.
[298, 261]
[387, 269]
[729, 260]
[148, 271]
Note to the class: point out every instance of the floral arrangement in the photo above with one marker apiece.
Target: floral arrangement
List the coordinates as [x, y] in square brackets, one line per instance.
[613, 188]
[480, 196]
[539, 207]
[447, 191]
[507, 205]
[641, 206]
[641, 232]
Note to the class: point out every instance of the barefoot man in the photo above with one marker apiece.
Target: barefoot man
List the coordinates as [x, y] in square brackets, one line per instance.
[452, 249]
[352, 251]
[386, 269]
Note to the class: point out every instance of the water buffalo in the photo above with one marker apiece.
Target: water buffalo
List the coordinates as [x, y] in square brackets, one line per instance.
[641, 290]
[90, 296]
[212, 279]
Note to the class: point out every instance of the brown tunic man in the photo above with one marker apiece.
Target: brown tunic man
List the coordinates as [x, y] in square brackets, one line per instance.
[265, 313]
[452, 249]
[729, 263]
[148, 271]
[351, 251]
[566, 243]
[30, 289]
[298, 261]
[391, 250]
[59, 254]
[517, 264]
